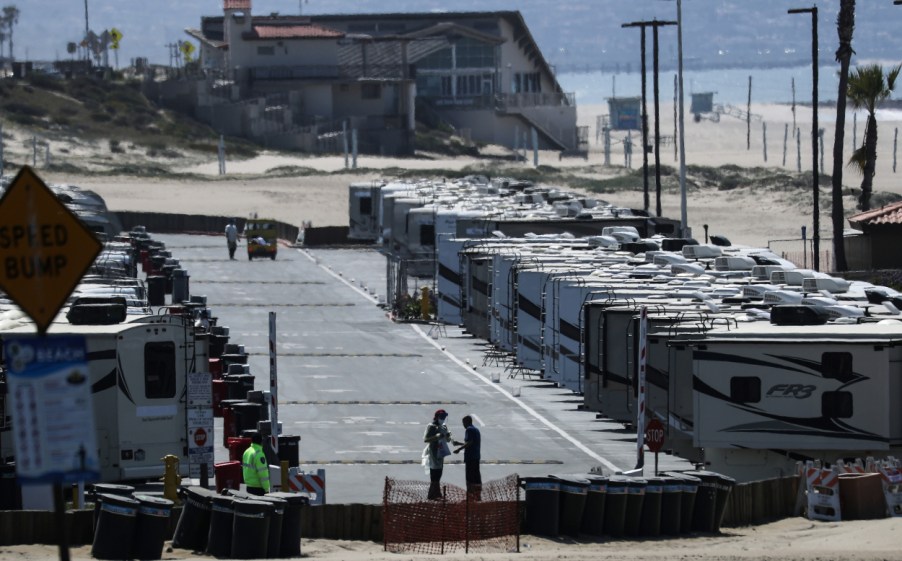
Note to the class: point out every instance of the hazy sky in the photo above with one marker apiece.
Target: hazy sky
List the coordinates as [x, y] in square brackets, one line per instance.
[587, 30]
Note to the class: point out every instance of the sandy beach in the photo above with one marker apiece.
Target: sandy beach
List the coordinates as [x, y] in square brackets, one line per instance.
[745, 214]
[294, 187]
[795, 539]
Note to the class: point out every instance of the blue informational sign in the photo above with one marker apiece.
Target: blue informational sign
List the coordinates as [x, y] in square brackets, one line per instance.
[52, 415]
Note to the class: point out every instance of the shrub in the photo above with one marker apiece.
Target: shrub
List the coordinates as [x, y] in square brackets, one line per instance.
[23, 109]
[116, 147]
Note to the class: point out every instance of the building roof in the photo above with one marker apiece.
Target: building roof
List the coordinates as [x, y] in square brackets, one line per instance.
[889, 214]
[303, 31]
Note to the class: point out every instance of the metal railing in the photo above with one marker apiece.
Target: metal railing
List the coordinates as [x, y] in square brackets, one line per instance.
[321, 72]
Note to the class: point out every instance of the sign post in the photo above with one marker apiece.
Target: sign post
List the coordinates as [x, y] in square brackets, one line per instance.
[640, 408]
[200, 426]
[45, 249]
[273, 386]
[654, 437]
[53, 420]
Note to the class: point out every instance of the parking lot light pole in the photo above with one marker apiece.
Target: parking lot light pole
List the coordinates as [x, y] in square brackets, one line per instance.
[816, 234]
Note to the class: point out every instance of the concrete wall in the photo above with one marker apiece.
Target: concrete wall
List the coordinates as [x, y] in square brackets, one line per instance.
[317, 100]
[286, 52]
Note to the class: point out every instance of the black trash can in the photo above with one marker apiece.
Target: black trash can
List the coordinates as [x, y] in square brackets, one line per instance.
[98, 489]
[635, 496]
[229, 426]
[725, 486]
[10, 492]
[650, 524]
[689, 489]
[246, 415]
[671, 504]
[572, 503]
[151, 526]
[115, 527]
[194, 523]
[250, 529]
[156, 290]
[233, 358]
[291, 523]
[274, 541]
[289, 449]
[593, 513]
[542, 505]
[217, 344]
[703, 514]
[219, 538]
[615, 505]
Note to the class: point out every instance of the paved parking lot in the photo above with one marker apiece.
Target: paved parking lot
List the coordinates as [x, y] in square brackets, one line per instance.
[360, 389]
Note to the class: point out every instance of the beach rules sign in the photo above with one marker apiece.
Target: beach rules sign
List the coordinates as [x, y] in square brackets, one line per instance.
[45, 249]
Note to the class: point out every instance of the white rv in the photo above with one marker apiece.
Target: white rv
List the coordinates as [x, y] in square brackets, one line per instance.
[769, 395]
[138, 383]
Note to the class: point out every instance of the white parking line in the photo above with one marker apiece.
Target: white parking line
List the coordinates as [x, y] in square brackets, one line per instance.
[535, 414]
[329, 270]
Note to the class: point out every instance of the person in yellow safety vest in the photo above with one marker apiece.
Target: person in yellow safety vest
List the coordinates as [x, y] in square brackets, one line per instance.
[255, 467]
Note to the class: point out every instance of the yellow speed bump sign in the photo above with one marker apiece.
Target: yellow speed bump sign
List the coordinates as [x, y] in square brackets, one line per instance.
[45, 249]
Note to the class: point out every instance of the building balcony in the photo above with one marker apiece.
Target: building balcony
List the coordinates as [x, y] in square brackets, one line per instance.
[508, 103]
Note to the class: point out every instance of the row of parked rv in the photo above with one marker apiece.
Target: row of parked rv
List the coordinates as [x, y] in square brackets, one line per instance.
[752, 363]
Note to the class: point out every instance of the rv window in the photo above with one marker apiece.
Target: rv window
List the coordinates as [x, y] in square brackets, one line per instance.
[427, 234]
[159, 370]
[366, 206]
[836, 365]
[745, 389]
[837, 405]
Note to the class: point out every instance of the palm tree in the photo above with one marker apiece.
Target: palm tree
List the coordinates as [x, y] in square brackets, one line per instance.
[10, 18]
[845, 25]
[868, 86]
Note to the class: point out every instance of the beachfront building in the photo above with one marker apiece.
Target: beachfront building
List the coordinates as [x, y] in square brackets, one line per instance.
[299, 81]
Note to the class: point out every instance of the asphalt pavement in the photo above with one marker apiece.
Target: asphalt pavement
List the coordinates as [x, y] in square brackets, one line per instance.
[359, 388]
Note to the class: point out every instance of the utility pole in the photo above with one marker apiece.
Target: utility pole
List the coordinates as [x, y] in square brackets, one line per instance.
[654, 24]
[655, 27]
[816, 236]
[87, 29]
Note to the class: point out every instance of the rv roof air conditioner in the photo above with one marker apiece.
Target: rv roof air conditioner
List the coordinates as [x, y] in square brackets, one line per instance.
[687, 268]
[734, 263]
[701, 251]
[763, 272]
[667, 258]
[830, 284]
[792, 278]
[797, 315]
[779, 297]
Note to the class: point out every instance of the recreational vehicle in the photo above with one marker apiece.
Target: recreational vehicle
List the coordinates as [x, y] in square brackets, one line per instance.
[138, 373]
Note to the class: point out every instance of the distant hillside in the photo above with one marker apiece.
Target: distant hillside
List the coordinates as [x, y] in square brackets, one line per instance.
[574, 35]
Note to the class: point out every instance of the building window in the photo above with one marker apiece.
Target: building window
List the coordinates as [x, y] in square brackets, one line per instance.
[527, 82]
[473, 54]
[371, 91]
[745, 389]
[159, 370]
[266, 51]
[837, 405]
[474, 84]
[836, 365]
[439, 60]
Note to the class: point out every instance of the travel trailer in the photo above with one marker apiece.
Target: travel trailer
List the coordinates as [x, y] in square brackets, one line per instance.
[768, 395]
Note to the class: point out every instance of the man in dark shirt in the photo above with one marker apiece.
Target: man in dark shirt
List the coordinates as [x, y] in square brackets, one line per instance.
[471, 446]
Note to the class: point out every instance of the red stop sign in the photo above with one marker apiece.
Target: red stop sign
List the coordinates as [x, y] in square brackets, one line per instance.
[654, 435]
[200, 437]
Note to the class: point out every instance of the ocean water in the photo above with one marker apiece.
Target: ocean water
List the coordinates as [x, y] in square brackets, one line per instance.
[729, 85]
